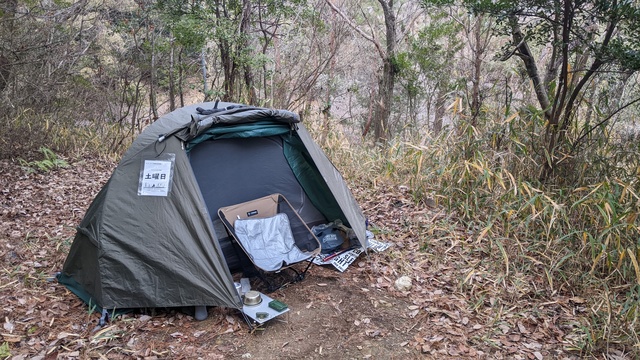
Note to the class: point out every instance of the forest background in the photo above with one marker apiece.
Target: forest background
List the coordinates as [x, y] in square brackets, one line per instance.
[517, 117]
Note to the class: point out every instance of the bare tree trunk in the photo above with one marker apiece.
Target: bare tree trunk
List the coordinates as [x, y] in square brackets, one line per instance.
[478, 56]
[180, 78]
[383, 103]
[5, 71]
[532, 68]
[367, 124]
[249, 83]
[172, 81]
[203, 69]
[441, 98]
[252, 98]
[7, 19]
[153, 80]
[228, 65]
[277, 91]
[226, 58]
[385, 91]
[326, 110]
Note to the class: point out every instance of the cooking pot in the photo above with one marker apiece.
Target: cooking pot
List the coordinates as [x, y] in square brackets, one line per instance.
[252, 298]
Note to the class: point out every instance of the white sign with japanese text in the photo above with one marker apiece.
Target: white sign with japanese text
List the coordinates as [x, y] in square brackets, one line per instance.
[155, 178]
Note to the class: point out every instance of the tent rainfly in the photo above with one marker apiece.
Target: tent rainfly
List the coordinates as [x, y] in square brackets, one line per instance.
[151, 237]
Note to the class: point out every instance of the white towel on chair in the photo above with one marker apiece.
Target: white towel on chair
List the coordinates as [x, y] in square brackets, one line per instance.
[269, 242]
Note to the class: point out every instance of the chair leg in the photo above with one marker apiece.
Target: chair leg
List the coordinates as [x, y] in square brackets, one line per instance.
[272, 286]
[302, 275]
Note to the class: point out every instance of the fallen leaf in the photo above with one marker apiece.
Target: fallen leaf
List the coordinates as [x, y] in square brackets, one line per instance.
[11, 338]
[131, 342]
[533, 346]
[522, 328]
[63, 335]
[8, 326]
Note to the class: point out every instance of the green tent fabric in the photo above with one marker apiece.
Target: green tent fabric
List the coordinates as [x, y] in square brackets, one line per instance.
[132, 250]
[257, 129]
[311, 180]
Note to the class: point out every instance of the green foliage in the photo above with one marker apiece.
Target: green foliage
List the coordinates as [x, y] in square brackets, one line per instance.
[50, 162]
[424, 68]
[434, 46]
[91, 308]
[190, 31]
[63, 3]
[5, 352]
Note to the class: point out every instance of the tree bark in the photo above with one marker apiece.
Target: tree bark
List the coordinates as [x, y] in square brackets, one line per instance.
[382, 107]
[180, 78]
[9, 9]
[532, 68]
[153, 78]
[172, 81]
[326, 109]
[479, 49]
[5, 71]
[252, 97]
[203, 69]
[385, 90]
[440, 109]
[226, 58]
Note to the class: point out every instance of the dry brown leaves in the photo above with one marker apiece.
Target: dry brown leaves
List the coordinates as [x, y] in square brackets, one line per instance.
[463, 304]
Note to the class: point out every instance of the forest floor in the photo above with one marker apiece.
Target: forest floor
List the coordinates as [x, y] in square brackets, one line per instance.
[461, 304]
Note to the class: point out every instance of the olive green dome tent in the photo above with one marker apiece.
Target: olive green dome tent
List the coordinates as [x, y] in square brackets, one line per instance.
[151, 237]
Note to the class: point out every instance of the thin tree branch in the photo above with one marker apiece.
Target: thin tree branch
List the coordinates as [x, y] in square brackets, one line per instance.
[594, 67]
[530, 64]
[577, 142]
[563, 85]
[381, 51]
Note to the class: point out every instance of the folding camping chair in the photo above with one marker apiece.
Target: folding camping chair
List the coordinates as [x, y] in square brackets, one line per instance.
[272, 234]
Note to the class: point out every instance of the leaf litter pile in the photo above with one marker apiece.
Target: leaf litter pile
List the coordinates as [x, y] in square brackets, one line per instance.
[455, 301]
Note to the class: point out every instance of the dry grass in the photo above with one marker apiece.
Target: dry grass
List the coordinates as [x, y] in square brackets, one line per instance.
[22, 135]
[574, 238]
